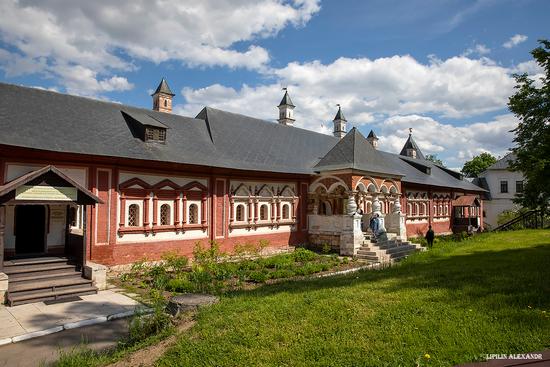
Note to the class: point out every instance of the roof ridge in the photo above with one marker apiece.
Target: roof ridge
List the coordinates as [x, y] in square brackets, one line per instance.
[269, 122]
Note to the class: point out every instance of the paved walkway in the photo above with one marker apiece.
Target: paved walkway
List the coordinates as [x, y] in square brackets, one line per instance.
[37, 319]
[45, 350]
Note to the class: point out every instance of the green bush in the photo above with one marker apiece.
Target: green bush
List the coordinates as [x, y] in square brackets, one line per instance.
[258, 276]
[144, 325]
[174, 262]
[181, 285]
[303, 255]
[276, 262]
[282, 273]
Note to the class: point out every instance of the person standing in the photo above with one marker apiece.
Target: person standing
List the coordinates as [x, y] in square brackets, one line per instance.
[430, 235]
[374, 225]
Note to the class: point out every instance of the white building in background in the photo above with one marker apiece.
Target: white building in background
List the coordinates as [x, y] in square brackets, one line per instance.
[503, 185]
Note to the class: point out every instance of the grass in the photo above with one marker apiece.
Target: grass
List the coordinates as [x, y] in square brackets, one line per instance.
[455, 303]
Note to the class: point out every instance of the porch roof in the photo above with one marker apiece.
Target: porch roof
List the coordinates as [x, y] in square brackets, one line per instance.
[466, 200]
[46, 176]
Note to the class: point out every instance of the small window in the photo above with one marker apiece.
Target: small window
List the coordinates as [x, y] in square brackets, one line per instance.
[519, 186]
[435, 211]
[503, 187]
[263, 212]
[193, 214]
[286, 212]
[165, 215]
[133, 215]
[155, 134]
[165, 103]
[239, 213]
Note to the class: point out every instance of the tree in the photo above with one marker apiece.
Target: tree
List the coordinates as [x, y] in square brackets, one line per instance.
[433, 158]
[478, 164]
[531, 105]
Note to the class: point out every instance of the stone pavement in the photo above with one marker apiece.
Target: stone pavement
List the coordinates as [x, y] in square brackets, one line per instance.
[37, 319]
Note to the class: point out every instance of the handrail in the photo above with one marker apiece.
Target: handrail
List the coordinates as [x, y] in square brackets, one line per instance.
[531, 219]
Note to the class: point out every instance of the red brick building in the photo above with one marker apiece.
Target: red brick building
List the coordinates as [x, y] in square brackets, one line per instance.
[158, 182]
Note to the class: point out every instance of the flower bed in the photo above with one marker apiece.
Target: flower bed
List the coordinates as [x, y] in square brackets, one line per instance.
[213, 271]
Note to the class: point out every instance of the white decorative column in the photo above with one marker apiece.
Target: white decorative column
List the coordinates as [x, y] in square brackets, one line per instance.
[376, 209]
[395, 221]
[351, 237]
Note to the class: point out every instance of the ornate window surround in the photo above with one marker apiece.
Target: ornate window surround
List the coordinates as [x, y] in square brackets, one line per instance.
[164, 191]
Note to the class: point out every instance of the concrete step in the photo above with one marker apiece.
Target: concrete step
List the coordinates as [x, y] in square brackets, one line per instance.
[49, 295]
[35, 261]
[397, 249]
[37, 268]
[365, 252]
[65, 282]
[33, 277]
[38, 281]
[368, 258]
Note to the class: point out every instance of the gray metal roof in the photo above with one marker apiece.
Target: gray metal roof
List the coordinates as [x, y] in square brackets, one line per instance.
[411, 144]
[353, 151]
[504, 162]
[50, 121]
[286, 101]
[372, 135]
[339, 115]
[163, 88]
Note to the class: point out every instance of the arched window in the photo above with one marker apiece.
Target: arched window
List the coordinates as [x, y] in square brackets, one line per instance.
[416, 209]
[447, 209]
[435, 211]
[239, 213]
[164, 215]
[326, 208]
[263, 212]
[165, 103]
[286, 211]
[133, 215]
[193, 214]
[440, 209]
[369, 207]
[424, 209]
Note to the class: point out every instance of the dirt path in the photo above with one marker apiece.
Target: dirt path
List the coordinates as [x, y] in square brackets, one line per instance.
[148, 356]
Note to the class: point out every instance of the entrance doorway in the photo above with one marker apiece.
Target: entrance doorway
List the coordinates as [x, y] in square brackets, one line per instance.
[30, 229]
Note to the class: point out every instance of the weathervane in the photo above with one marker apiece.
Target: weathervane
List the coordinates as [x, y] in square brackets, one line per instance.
[410, 130]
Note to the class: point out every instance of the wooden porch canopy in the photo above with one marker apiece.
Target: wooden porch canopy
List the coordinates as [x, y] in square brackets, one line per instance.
[466, 200]
[47, 185]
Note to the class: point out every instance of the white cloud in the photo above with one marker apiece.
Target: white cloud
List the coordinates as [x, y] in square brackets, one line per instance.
[478, 49]
[388, 94]
[515, 40]
[367, 90]
[54, 36]
[455, 144]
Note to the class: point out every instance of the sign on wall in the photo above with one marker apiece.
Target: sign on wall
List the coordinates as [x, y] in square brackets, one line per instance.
[46, 193]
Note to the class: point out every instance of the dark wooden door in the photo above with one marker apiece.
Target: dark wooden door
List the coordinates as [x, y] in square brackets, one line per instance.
[30, 229]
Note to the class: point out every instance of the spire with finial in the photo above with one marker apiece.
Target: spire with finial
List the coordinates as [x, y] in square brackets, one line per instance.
[286, 110]
[373, 139]
[411, 149]
[339, 123]
[162, 98]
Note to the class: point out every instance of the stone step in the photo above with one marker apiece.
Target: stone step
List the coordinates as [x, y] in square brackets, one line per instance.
[368, 258]
[24, 278]
[37, 268]
[65, 282]
[365, 252]
[35, 261]
[49, 295]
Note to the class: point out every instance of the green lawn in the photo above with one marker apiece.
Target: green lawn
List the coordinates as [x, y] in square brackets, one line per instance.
[456, 303]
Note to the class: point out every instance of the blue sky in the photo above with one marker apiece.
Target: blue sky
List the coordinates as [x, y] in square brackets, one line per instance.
[442, 67]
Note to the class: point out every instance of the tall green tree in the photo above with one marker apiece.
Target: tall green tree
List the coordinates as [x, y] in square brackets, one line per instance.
[435, 159]
[531, 105]
[478, 164]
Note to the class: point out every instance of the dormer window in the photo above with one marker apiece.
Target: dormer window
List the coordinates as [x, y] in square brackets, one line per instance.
[155, 134]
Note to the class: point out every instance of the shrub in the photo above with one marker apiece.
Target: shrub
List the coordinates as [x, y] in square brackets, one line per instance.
[258, 276]
[282, 273]
[143, 325]
[181, 285]
[276, 262]
[303, 255]
[326, 248]
[174, 262]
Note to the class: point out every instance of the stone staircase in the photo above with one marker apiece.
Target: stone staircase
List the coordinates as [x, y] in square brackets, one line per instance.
[386, 251]
[44, 279]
